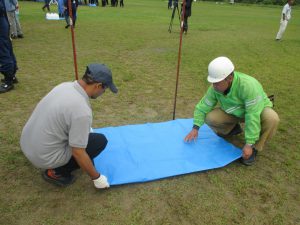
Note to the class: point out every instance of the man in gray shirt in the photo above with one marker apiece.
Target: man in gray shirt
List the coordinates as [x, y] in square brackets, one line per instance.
[57, 135]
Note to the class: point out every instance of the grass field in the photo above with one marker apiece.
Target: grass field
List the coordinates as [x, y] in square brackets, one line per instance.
[135, 44]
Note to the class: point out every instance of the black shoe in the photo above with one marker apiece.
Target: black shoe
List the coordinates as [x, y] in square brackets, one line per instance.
[5, 87]
[15, 80]
[13, 36]
[20, 36]
[250, 161]
[236, 130]
[59, 180]
[67, 26]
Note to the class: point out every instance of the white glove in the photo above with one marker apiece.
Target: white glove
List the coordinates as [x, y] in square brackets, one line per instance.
[101, 182]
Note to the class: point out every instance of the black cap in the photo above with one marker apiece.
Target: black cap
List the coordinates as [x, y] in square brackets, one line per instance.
[102, 74]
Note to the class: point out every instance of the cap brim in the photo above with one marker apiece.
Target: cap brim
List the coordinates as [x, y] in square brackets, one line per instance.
[212, 80]
[113, 88]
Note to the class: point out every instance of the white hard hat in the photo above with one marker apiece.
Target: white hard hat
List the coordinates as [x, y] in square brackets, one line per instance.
[219, 69]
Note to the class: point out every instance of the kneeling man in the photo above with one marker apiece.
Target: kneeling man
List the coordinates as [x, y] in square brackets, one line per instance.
[57, 135]
[241, 98]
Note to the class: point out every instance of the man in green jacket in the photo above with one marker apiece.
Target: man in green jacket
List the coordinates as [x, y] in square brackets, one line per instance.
[241, 98]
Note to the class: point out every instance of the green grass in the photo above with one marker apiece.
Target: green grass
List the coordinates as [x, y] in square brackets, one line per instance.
[135, 44]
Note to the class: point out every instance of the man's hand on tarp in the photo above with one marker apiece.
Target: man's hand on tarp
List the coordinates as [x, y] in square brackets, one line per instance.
[247, 151]
[192, 135]
[101, 182]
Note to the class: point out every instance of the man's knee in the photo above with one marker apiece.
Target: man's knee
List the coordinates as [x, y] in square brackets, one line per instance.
[101, 140]
[275, 119]
[211, 118]
[271, 118]
[96, 144]
[208, 120]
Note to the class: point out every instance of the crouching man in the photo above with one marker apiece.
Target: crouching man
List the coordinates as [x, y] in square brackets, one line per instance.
[57, 135]
[241, 98]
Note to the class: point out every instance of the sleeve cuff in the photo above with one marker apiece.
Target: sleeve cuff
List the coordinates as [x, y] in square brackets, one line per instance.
[196, 127]
[250, 142]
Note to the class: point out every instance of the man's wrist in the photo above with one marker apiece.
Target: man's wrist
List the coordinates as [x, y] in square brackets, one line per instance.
[96, 177]
[196, 127]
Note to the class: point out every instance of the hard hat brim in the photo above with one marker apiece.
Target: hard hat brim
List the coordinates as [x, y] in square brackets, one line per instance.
[214, 80]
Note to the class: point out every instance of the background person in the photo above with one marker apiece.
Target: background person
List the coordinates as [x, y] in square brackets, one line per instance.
[61, 8]
[170, 4]
[46, 5]
[242, 99]
[187, 14]
[57, 135]
[8, 63]
[286, 15]
[74, 4]
[15, 28]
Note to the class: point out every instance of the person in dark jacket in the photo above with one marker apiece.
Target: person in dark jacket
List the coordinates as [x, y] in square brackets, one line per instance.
[169, 4]
[74, 12]
[187, 14]
[47, 5]
[8, 63]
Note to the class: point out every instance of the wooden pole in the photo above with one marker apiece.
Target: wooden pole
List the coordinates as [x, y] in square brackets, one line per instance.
[73, 38]
[179, 56]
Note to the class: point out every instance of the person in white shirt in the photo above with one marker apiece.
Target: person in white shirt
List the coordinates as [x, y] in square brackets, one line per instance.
[285, 17]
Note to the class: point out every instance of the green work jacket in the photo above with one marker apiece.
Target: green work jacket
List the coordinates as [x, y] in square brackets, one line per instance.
[246, 100]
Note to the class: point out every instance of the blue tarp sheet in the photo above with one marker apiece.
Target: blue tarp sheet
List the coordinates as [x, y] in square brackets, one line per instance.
[151, 151]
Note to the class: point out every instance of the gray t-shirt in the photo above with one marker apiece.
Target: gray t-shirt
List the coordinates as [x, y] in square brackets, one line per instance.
[61, 120]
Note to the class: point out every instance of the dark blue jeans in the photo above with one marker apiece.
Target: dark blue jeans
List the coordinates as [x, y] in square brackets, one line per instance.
[96, 144]
[8, 64]
[74, 15]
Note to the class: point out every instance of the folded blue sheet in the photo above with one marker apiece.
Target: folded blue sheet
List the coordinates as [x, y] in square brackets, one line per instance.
[145, 152]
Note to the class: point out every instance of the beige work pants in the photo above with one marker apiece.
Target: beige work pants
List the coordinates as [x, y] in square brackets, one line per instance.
[222, 123]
